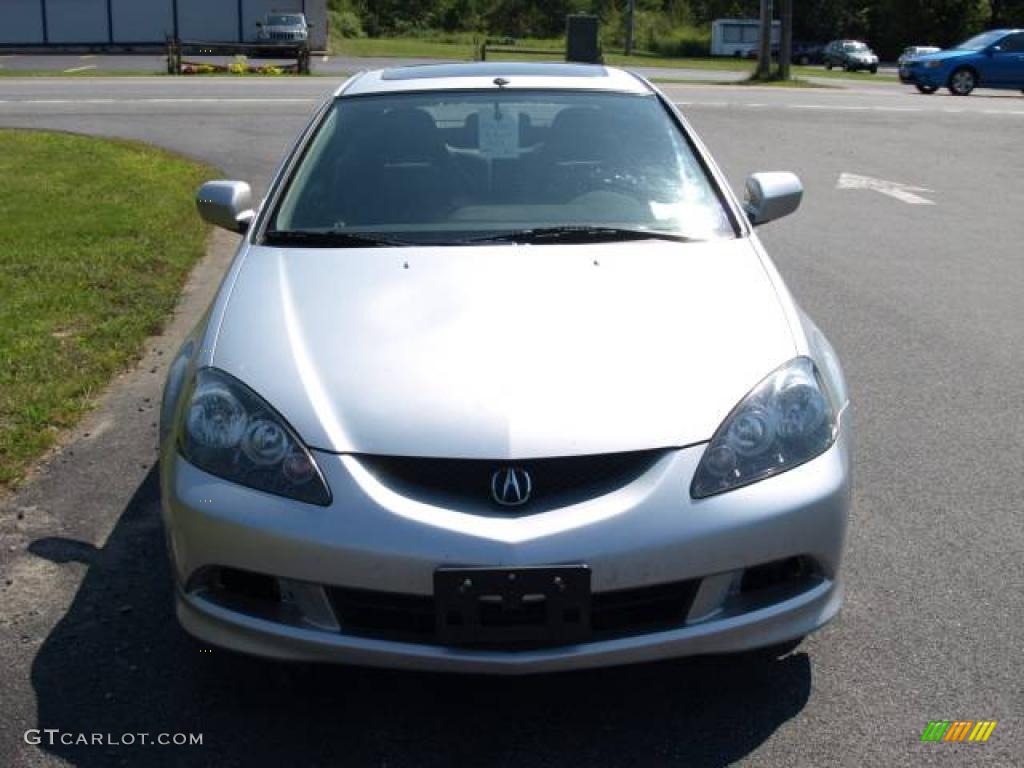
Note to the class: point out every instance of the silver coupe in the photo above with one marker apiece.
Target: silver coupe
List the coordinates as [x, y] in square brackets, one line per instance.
[501, 380]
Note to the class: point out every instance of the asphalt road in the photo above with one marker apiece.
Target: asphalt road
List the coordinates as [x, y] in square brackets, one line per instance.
[919, 287]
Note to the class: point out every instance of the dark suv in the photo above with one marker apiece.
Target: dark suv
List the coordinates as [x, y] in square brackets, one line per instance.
[851, 55]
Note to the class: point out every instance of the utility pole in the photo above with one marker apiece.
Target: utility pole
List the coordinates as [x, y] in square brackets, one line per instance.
[630, 26]
[764, 58]
[786, 43]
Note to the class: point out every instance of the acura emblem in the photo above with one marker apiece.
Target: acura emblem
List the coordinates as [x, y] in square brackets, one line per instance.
[511, 486]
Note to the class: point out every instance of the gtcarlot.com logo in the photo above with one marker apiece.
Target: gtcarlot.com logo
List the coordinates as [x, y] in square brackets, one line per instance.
[54, 736]
[958, 730]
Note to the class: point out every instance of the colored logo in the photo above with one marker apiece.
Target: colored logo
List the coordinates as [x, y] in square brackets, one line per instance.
[958, 730]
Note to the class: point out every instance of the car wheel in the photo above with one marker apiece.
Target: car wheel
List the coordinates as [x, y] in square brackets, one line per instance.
[874, 70]
[962, 82]
[927, 89]
[847, 68]
[828, 65]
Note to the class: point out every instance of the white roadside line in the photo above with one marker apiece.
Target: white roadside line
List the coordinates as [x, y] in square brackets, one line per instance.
[87, 56]
[79, 69]
[241, 100]
[851, 108]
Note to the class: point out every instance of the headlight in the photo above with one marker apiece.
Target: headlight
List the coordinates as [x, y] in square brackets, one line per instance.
[786, 420]
[228, 430]
[932, 64]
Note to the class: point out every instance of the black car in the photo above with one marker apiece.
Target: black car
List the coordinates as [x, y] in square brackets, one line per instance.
[808, 53]
[802, 53]
[851, 55]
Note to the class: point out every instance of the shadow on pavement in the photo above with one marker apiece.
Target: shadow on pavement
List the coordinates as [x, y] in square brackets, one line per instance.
[118, 663]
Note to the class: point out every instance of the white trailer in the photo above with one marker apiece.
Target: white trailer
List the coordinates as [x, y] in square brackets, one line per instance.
[740, 37]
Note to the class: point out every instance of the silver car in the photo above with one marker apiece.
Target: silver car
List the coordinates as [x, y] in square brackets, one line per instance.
[501, 380]
[282, 27]
[914, 51]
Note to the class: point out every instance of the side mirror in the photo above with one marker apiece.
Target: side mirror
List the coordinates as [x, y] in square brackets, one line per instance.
[226, 204]
[994, 49]
[259, 23]
[771, 196]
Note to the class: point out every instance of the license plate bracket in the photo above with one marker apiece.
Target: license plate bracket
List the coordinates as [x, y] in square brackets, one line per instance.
[531, 606]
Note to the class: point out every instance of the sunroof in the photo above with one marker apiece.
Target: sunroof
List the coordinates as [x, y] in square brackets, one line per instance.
[495, 69]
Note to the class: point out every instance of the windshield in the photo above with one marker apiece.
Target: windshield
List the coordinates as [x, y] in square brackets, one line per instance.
[282, 20]
[855, 47]
[451, 166]
[980, 42]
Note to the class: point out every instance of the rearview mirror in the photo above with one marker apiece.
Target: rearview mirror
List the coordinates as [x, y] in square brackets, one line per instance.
[226, 204]
[771, 196]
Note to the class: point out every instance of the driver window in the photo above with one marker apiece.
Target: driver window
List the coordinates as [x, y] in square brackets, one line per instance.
[1012, 44]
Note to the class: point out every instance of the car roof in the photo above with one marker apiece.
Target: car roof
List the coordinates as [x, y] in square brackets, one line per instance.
[483, 74]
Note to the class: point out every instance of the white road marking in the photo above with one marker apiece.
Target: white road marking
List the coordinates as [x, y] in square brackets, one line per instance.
[162, 101]
[894, 189]
[79, 69]
[265, 100]
[849, 108]
[87, 56]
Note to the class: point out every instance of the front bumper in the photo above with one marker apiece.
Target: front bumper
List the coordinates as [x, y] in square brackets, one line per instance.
[929, 78]
[646, 533]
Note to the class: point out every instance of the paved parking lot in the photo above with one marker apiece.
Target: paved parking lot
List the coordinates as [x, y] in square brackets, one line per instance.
[907, 252]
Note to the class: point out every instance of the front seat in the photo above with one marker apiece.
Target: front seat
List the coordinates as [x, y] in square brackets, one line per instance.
[402, 174]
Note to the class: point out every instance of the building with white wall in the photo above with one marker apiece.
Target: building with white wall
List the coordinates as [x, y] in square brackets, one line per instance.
[126, 23]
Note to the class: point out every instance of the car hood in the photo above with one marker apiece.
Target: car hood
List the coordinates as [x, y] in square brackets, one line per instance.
[949, 55]
[504, 351]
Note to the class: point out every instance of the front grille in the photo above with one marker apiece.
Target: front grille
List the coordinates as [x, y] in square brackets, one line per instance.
[465, 484]
[412, 618]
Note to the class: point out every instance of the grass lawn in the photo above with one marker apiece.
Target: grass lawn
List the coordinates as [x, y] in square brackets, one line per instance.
[96, 239]
[463, 48]
[794, 83]
[839, 74]
[412, 47]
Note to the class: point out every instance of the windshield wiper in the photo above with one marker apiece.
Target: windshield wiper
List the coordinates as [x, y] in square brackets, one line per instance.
[577, 234]
[330, 238]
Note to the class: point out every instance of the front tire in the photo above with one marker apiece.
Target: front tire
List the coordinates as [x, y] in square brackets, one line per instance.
[928, 90]
[828, 65]
[962, 82]
[874, 70]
